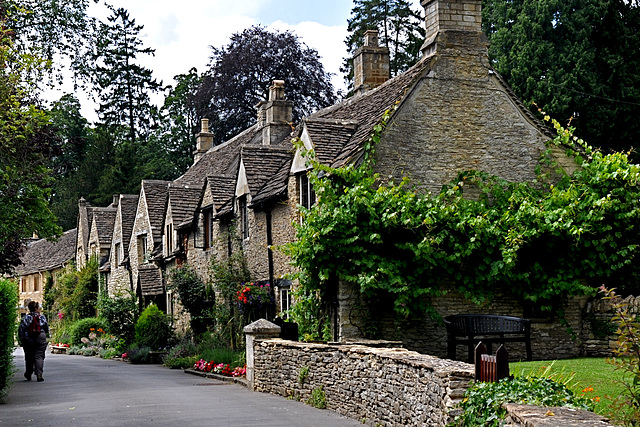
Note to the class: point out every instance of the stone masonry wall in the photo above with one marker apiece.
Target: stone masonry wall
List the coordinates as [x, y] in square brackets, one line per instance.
[378, 386]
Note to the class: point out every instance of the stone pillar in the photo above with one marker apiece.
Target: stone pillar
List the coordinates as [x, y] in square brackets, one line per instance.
[259, 330]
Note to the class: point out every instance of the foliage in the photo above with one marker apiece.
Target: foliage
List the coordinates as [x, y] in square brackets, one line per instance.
[227, 274]
[8, 316]
[138, 354]
[575, 59]
[195, 296]
[182, 355]
[152, 328]
[182, 362]
[60, 33]
[75, 295]
[400, 29]
[25, 142]
[222, 355]
[120, 313]
[303, 374]
[83, 327]
[627, 357]
[252, 60]
[255, 300]
[318, 398]
[589, 377]
[482, 404]
[553, 237]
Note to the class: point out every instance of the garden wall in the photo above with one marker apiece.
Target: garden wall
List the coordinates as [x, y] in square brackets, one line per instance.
[587, 329]
[379, 386]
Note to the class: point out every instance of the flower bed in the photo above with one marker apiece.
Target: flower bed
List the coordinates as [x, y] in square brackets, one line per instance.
[219, 368]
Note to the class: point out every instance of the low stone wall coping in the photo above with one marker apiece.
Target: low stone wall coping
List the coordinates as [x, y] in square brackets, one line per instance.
[536, 416]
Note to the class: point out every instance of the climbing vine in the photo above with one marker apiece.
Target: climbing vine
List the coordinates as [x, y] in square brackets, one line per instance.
[539, 242]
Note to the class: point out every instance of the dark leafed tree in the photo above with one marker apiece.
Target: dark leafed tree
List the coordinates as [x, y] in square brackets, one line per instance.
[575, 59]
[241, 72]
[122, 85]
[401, 30]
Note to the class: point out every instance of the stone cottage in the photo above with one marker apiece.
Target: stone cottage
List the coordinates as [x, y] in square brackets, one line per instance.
[41, 262]
[450, 112]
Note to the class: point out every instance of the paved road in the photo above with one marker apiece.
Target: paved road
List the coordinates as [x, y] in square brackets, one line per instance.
[88, 391]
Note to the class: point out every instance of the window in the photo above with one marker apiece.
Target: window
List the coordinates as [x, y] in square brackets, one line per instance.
[244, 216]
[285, 301]
[169, 238]
[36, 283]
[117, 254]
[142, 248]
[307, 195]
[208, 228]
[23, 283]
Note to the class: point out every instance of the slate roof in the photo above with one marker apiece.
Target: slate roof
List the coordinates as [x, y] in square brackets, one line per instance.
[104, 218]
[221, 159]
[155, 193]
[183, 200]
[222, 191]
[150, 280]
[43, 255]
[262, 163]
[343, 128]
[128, 207]
[267, 171]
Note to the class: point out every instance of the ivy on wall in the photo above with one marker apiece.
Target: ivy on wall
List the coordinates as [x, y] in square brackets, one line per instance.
[539, 241]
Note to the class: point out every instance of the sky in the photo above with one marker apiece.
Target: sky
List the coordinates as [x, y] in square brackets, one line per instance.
[182, 31]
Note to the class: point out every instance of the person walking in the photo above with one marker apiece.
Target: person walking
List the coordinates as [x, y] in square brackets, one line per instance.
[33, 333]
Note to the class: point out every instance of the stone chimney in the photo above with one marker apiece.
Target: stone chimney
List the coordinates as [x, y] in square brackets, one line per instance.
[370, 64]
[453, 24]
[274, 115]
[204, 141]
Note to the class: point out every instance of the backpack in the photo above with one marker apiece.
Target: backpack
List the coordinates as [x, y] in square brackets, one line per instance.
[34, 326]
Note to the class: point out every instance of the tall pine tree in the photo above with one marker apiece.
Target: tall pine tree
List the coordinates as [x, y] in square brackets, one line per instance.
[401, 30]
[575, 59]
[123, 86]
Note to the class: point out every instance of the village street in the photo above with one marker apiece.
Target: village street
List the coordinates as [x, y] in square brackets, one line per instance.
[89, 391]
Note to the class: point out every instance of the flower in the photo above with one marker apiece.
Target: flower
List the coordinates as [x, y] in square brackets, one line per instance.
[125, 355]
[239, 371]
[60, 315]
[85, 340]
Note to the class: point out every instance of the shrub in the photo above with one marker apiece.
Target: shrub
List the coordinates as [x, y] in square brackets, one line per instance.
[8, 316]
[223, 355]
[180, 362]
[318, 398]
[152, 328]
[139, 354]
[195, 297]
[482, 405]
[82, 328]
[120, 313]
[627, 358]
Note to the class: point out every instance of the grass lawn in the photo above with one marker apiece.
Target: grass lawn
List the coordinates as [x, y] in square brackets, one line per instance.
[579, 375]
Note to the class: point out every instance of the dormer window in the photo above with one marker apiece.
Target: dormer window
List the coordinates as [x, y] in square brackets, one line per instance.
[307, 194]
[244, 216]
[142, 249]
[169, 238]
[117, 254]
[208, 227]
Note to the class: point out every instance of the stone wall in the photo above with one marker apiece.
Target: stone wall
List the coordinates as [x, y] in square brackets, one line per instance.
[586, 330]
[378, 386]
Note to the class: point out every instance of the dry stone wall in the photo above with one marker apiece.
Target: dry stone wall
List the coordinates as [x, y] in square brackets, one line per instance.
[379, 386]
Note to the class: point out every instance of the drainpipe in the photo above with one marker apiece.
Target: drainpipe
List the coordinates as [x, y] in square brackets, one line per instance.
[269, 250]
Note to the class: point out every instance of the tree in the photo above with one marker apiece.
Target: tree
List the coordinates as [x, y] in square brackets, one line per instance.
[179, 124]
[575, 59]
[26, 139]
[400, 30]
[241, 72]
[123, 86]
[55, 30]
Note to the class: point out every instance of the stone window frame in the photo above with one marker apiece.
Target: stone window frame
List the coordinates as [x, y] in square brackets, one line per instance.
[169, 238]
[142, 248]
[207, 228]
[116, 251]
